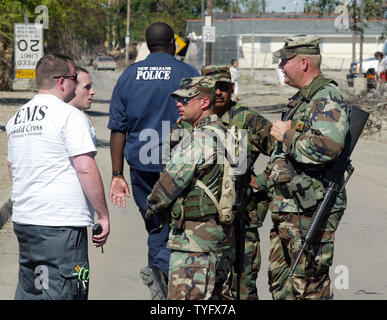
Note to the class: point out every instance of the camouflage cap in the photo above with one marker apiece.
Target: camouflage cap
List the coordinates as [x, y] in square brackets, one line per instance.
[298, 44]
[190, 87]
[219, 72]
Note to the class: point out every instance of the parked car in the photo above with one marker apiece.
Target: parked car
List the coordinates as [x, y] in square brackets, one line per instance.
[104, 63]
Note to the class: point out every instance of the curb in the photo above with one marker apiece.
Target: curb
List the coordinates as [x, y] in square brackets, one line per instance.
[6, 207]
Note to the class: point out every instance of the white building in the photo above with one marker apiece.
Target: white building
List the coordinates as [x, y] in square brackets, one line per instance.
[253, 40]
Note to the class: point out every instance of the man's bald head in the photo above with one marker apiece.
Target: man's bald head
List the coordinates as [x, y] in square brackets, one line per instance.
[159, 37]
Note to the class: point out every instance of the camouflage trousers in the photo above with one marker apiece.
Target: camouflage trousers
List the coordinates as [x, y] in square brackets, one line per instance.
[311, 277]
[199, 275]
[251, 266]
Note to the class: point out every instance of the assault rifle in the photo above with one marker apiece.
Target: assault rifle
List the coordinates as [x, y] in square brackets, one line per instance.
[333, 177]
[241, 185]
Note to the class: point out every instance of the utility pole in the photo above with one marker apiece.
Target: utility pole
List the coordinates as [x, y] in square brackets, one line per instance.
[107, 41]
[354, 31]
[127, 38]
[210, 6]
[114, 27]
[231, 16]
[361, 35]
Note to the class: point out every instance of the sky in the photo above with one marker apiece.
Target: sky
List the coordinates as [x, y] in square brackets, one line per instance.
[276, 5]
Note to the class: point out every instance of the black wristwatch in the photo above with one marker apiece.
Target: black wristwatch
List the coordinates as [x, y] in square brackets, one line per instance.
[117, 173]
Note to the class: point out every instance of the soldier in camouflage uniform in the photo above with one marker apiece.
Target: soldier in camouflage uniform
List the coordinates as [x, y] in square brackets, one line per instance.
[309, 139]
[200, 262]
[259, 141]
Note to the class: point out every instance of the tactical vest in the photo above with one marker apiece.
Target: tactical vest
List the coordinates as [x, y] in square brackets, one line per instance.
[306, 186]
[194, 204]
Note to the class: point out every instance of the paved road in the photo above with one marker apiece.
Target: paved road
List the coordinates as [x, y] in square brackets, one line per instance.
[360, 255]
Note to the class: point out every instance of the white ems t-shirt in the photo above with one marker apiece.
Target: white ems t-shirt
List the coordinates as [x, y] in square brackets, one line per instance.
[43, 135]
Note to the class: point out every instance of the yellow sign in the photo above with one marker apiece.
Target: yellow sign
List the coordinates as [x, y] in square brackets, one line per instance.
[25, 74]
[180, 44]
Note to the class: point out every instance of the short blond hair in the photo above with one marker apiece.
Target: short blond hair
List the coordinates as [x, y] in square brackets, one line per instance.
[315, 59]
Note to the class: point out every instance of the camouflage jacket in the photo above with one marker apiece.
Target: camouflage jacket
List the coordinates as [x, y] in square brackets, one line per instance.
[259, 141]
[258, 128]
[316, 138]
[194, 157]
[258, 136]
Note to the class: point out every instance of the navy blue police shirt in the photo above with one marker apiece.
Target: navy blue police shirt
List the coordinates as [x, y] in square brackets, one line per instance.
[142, 107]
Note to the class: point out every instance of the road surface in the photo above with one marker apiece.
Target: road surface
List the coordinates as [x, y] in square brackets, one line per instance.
[360, 256]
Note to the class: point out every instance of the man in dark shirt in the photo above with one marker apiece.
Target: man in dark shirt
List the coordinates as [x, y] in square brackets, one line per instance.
[142, 113]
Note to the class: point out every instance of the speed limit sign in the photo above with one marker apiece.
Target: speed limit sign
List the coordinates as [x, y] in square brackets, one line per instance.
[28, 48]
[208, 34]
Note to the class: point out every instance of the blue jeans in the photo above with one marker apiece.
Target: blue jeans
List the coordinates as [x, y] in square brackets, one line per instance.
[158, 253]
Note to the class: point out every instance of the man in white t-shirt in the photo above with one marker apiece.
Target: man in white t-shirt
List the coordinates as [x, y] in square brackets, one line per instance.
[84, 94]
[55, 182]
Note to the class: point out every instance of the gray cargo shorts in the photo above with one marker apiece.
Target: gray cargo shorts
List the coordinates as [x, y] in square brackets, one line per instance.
[49, 261]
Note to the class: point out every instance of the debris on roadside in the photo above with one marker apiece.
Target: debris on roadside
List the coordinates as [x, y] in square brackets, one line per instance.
[377, 107]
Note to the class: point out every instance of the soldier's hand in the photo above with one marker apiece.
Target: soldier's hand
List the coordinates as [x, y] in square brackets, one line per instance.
[119, 190]
[279, 129]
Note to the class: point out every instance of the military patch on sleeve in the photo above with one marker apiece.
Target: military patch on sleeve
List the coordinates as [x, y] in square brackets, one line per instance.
[300, 126]
[320, 104]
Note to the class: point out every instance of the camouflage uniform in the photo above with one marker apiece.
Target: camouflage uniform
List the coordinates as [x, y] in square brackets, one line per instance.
[259, 141]
[317, 136]
[200, 261]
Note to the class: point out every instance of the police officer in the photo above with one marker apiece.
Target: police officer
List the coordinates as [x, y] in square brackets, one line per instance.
[310, 137]
[200, 245]
[258, 141]
[141, 104]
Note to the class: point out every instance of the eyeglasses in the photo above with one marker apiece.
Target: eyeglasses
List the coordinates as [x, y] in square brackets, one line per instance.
[222, 85]
[74, 77]
[183, 100]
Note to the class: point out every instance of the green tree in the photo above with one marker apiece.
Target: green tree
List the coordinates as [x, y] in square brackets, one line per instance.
[373, 10]
[255, 6]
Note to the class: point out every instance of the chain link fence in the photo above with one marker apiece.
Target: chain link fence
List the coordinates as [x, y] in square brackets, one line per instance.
[250, 53]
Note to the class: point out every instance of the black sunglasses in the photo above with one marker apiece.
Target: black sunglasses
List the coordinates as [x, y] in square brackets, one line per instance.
[74, 77]
[222, 85]
[184, 101]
